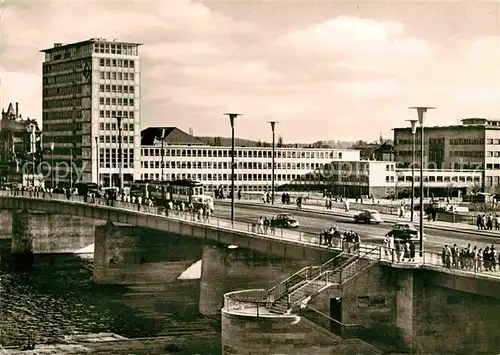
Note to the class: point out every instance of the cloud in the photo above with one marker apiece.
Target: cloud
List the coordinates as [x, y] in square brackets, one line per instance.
[346, 35]
[323, 76]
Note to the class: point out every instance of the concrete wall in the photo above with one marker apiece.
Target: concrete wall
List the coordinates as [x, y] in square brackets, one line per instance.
[5, 224]
[226, 270]
[135, 255]
[51, 233]
[421, 309]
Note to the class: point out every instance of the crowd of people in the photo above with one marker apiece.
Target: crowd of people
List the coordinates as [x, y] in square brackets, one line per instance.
[470, 258]
[487, 222]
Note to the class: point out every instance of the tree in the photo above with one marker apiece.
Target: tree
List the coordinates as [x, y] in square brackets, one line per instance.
[259, 144]
[217, 141]
[280, 142]
[475, 188]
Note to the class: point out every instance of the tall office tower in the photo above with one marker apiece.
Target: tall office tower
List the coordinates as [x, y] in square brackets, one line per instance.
[88, 88]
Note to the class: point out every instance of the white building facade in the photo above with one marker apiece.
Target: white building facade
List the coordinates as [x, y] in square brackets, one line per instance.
[340, 170]
[87, 88]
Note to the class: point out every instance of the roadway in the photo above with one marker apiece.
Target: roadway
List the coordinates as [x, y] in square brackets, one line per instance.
[312, 222]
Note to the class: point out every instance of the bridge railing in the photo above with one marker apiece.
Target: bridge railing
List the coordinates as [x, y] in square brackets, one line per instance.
[252, 302]
[435, 259]
[279, 233]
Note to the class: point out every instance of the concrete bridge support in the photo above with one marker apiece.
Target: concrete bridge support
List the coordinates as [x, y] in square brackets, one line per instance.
[41, 233]
[225, 270]
[133, 255]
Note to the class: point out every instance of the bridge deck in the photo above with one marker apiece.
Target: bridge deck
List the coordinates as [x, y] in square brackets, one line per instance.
[431, 260]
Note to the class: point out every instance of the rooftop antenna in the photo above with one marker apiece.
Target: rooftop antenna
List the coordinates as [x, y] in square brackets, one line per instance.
[191, 131]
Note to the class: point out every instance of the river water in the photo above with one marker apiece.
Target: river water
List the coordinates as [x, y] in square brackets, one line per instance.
[57, 297]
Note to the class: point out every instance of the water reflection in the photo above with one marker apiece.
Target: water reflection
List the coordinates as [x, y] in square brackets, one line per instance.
[57, 297]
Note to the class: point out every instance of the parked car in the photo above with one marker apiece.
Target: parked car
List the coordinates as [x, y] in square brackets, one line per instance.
[285, 220]
[368, 216]
[404, 231]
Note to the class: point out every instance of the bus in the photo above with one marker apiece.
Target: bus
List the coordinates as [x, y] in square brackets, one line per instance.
[177, 191]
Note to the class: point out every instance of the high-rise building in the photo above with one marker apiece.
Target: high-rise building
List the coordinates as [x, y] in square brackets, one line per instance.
[90, 87]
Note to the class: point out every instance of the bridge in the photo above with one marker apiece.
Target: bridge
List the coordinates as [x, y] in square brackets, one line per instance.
[377, 291]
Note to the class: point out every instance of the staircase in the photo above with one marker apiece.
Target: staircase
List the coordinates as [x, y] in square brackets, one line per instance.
[306, 283]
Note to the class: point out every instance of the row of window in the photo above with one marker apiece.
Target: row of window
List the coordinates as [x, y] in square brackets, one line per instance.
[492, 181]
[467, 141]
[442, 178]
[114, 114]
[113, 126]
[106, 75]
[125, 89]
[452, 141]
[491, 154]
[67, 66]
[226, 165]
[69, 126]
[492, 141]
[61, 91]
[255, 177]
[115, 139]
[109, 158]
[61, 103]
[115, 48]
[62, 79]
[239, 153]
[467, 153]
[119, 63]
[453, 153]
[114, 101]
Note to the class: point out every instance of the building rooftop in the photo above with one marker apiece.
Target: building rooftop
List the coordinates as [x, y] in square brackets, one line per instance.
[172, 136]
[58, 46]
[467, 123]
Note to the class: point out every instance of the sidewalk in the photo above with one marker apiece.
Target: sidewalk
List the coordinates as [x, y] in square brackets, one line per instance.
[437, 225]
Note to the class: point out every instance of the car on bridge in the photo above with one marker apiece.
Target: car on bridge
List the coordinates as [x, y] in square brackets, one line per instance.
[368, 216]
[404, 232]
[285, 220]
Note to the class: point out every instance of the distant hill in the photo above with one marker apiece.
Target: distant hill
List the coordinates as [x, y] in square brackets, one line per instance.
[239, 142]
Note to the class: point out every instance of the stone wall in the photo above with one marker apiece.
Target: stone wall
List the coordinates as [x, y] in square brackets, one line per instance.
[135, 255]
[408, 307]
[5, 224]
[49, 233]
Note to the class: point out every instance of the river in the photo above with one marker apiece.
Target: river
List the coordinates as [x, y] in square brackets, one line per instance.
[56, 297]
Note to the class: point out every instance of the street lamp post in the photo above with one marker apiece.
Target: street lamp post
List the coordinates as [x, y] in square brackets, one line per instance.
[52, 165]
[421, 110]
[71, 170]
[120, 155]
[273, 125]
[413, 131]
[163, 164]
[232, 117]
[97, 159]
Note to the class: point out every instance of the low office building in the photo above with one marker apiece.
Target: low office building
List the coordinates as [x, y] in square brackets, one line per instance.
[474, 145]
[440, 182]
[185, 157]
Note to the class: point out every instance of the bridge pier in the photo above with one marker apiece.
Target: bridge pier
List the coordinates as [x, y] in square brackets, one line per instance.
[225, 270]
[40, 232]
[134, 255]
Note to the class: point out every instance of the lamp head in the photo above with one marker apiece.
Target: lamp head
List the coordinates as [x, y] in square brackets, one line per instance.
[420, 111]
[232, 116]
[273, 124]
[52, 146]
[413, 124]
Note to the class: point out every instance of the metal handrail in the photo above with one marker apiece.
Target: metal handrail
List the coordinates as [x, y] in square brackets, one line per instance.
[281, 288]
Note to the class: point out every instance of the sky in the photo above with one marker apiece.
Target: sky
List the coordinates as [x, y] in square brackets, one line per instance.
[325, 70]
